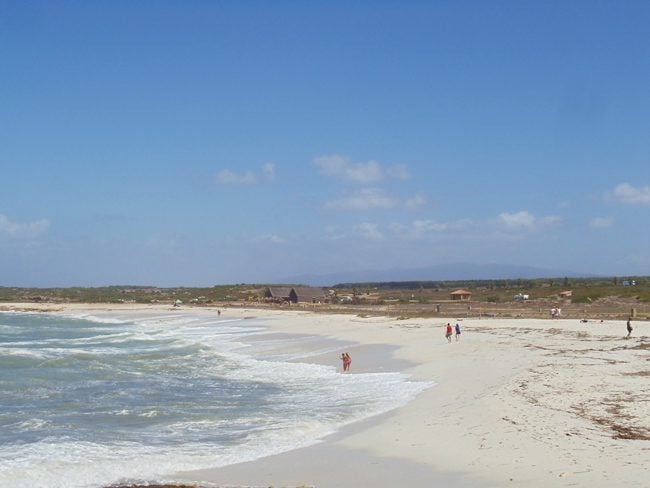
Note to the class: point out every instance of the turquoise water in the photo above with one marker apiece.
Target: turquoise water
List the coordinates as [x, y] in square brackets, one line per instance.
[87, 401]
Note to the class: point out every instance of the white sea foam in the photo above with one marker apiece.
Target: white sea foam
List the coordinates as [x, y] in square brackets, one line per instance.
[27, 425]
[191, 395]
[94, 318]
[20, 352]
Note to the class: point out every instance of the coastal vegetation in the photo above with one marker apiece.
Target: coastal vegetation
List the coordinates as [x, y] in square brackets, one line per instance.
[499, 291]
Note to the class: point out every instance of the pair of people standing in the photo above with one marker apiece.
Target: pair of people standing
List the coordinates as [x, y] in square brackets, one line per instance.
[347, 361]
[450, 331]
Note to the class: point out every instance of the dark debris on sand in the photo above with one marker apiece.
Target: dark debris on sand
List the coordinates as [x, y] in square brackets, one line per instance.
[181, 486]
[154, 486]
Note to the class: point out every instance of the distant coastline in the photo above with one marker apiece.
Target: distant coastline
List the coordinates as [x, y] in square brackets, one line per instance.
[581, 298]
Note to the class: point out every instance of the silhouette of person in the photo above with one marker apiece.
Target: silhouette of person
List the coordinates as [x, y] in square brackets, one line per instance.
[629, 327]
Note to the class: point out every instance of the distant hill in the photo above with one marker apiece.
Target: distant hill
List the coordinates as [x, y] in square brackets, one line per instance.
[441, 272]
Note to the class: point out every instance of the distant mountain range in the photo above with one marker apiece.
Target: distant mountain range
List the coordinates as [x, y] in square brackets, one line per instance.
[440, 272]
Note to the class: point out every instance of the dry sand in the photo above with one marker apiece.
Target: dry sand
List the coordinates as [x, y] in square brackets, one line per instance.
[518, 403]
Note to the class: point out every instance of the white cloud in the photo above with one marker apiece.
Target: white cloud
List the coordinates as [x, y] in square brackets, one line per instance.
[333, 233]
[342, 167]
[364, 199]
[22, 231]
[374, 198]
[414, 231]
[268, 170]
[626, 193]
[525, 220]
[399, 228]
[364, 172]
[227, 177]
[427, 226]
[399, 172]
[369, 231]
[421, 228]
[519, 219]
[331, 165]
[601, 223]
[415, 201]
[274, 238]
[507, 227]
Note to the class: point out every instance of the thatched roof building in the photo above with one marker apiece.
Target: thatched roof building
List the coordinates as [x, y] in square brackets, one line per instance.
[296, 294]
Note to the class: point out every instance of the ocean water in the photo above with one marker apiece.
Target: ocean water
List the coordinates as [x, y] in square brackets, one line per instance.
[86, 401]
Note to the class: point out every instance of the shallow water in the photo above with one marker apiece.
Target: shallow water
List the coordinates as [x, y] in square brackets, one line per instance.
[87, 401]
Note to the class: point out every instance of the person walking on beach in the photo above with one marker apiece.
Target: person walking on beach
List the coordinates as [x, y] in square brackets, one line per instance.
[629, 327]
[347, 361]
[448, 333]
[457, 331]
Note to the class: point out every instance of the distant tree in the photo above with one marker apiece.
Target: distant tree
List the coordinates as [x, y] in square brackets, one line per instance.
[566, 281]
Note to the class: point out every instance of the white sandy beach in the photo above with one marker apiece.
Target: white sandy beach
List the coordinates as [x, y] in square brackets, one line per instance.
[517, 402]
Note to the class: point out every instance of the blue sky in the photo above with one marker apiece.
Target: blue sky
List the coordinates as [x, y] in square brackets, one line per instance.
[196, 143]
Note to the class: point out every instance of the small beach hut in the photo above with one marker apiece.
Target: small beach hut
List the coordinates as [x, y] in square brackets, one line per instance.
[460, 295]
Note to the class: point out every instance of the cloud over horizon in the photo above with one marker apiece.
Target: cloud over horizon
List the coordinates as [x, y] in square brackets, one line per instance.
[506, 226]
[343, 168]
[364, 199]
[628, 194]
[374, 198]
[601, 222]
[228, 177]
[27, 230]
[526, 220]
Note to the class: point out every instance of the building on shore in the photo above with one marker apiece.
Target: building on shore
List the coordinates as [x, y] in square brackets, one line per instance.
[296, 294]
[460, 295]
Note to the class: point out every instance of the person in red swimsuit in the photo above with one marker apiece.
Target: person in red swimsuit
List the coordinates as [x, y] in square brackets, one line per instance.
[347, 361]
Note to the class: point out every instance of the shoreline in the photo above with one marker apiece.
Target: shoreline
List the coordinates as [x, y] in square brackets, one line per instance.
[517, 402]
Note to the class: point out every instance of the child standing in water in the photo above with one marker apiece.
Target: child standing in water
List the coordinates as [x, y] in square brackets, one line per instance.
[457, 331]
[448, 332]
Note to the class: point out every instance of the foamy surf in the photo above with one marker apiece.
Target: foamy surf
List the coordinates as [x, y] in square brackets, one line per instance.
[140, 398]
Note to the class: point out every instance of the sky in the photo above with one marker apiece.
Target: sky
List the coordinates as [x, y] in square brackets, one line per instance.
[195, 143]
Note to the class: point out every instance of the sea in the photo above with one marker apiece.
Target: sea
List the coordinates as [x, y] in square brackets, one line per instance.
[92, 400]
